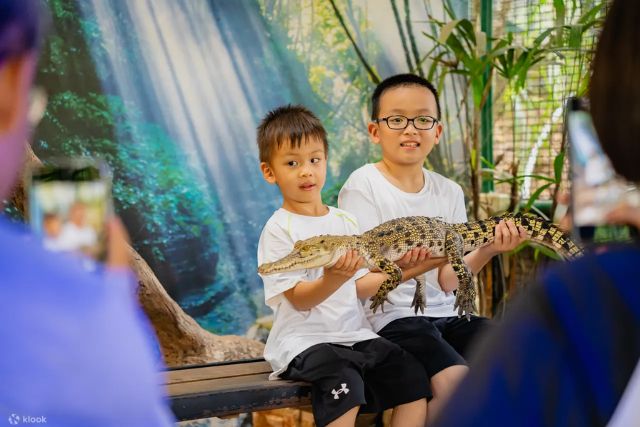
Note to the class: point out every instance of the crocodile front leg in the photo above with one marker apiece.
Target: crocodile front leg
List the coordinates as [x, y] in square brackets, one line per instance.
[466, 293]
[390, 283]
[418, 302]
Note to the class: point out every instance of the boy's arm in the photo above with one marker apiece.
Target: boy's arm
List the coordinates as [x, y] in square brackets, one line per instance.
[507, 238]
[414, 263]
[306, 295]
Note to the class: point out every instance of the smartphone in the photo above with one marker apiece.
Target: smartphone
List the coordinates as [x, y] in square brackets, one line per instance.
[69, 204]
[595, 187]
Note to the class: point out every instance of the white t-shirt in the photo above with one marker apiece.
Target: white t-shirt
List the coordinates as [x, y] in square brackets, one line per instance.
[372, 199]
[339, 319]
[627, 413]
[74, 237]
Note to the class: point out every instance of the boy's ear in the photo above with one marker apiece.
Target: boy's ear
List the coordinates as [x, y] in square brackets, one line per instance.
[267, 173]
[374, 132]
[438, 130]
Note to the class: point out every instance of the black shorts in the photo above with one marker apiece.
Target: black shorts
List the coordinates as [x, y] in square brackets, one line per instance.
[461, 333]
[374, 374]
[420, 337]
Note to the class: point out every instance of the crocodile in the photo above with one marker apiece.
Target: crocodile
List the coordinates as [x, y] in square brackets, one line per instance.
[389, 241]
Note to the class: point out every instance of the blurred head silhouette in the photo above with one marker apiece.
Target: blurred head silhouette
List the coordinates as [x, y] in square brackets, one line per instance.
[615, 88]
[20, 30]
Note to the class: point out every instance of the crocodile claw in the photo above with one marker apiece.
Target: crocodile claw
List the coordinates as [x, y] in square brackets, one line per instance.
[466, 299]
[418, 303]
[378, 301]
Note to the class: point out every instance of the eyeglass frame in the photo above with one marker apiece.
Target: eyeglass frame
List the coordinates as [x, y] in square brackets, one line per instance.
[386, 120]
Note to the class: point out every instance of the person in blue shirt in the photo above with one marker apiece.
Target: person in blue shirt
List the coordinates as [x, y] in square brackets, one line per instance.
[567, 353]
[76, 348]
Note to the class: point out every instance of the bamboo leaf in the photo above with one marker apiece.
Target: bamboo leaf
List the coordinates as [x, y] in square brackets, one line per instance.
[560, 9]
[535, 196]
[536, 176]
[590, 16]
[545, 251]
[575, 36]
[558, 164]
[481, 45]
[447, 30]
[467, 29]
[434, 64]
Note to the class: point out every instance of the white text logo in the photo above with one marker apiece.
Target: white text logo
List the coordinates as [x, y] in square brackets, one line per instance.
[15, 419]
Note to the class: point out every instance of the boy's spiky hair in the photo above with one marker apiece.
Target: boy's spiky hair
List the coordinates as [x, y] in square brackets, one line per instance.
[397, 81]
[291, 124]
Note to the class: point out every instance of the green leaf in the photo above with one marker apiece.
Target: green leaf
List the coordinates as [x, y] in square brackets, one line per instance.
[591, 16]
[447, 30]
[575, 36]
[558, 164]
[545, 251]
[481, 45]
[535, 196]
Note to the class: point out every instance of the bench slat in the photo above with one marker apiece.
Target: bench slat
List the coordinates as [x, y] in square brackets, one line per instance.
[218, 371]
[230, 389]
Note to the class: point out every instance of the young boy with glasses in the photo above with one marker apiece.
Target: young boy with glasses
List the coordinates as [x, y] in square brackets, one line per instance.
[405, 122]
[320, 333]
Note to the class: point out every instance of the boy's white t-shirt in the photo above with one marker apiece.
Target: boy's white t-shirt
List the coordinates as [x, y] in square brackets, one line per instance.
[372, 199]
[340, 319]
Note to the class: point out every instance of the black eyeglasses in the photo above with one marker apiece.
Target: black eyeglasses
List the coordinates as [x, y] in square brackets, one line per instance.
[401, 122]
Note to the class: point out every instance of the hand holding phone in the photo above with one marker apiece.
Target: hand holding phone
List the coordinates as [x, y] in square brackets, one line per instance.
[69, 205]
[595, 187]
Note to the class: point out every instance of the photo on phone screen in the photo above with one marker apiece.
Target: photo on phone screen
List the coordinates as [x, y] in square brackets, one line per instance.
[69, 203]
[595, 187]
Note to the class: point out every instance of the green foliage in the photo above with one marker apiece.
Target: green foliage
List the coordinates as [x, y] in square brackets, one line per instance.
[330, 195]
[337, 77]
[150, 174]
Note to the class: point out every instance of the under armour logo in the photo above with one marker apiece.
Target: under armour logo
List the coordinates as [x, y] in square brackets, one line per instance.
[336, 393]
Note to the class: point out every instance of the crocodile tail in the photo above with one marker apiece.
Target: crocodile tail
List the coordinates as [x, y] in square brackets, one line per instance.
[545, 233]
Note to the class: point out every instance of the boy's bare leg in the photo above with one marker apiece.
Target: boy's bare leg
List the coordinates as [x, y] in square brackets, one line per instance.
[412, 414]
[348, 419]
[442, 385]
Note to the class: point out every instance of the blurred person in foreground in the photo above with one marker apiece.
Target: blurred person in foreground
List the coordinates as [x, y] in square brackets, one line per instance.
[567, 352]
[76, 349]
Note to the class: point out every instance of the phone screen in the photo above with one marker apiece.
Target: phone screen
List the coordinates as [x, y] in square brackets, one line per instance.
[595, 188]
[69, 203]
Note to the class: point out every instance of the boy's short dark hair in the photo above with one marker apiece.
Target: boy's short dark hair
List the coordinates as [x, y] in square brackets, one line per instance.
[292, 123]
[20, 27]
[397, 81]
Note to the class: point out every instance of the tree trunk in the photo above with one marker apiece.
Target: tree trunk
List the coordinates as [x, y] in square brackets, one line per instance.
[182, 340]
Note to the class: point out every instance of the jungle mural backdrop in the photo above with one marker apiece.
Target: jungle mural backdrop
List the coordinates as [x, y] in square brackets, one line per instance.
[170, 92]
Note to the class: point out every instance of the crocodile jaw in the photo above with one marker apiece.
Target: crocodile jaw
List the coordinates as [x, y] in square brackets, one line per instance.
[314, 252]
[295, 261]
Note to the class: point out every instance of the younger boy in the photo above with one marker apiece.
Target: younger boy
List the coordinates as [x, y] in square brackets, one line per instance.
[320, 333]
[406, 125]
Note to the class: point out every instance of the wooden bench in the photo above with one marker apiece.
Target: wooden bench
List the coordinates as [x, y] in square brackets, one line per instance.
[230, 388]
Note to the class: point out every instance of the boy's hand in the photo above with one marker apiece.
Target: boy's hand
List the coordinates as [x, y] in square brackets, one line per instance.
[507, 237]
[117, 245]
[346, 266]
[418, 261]
[414, 257]
[625, 213]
